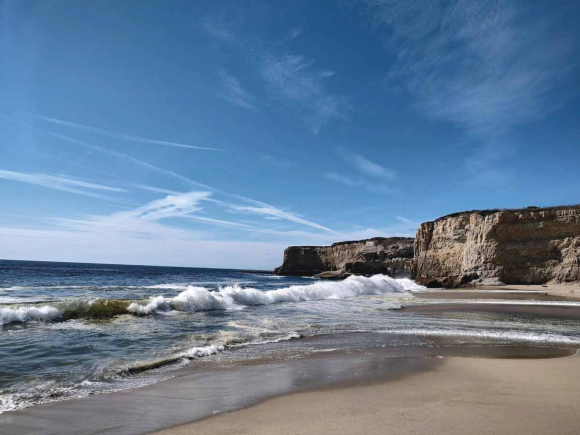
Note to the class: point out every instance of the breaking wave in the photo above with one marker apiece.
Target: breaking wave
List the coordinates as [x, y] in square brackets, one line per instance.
[235, 297]
[27, 314]
[193, 353]
[96, 309]
[193, 299]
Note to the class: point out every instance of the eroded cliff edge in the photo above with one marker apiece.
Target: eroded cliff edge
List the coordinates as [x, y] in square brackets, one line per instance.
[493, 247]
[392, 256]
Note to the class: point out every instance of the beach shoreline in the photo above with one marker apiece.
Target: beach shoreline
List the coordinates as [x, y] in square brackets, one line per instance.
[457, 396]
[346, 370]
[195, 395]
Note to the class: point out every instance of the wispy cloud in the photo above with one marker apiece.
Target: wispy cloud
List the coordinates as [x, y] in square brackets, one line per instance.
[147, 227]
[366, 166]
[139, 236]
[177, 248]
[487, 65]
[294, 78]
[404, 220]
[116, 154]
[156, 189]
[143, 221]
[134, 160]
[270, 212]
[257, 207]
[170, 206]
[65, 184]
[294, 33]
[373, 186]
[289, 77]
[224, 223]
[218, 28]
[372, 176]
[335, 176]
[234, 92]
[121, 136]
[278, 161]
[185, 206]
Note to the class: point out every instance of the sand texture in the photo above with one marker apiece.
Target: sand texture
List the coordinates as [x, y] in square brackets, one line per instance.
[462, 396]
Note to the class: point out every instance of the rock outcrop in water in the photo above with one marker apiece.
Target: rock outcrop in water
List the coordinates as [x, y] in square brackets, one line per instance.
[392, 256]
[494, 247]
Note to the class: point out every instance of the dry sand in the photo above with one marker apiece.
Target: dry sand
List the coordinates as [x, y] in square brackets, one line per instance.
[571, 290]
[461, 396]
[568, 290]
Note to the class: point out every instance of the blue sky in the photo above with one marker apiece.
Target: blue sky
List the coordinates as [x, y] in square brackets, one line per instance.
[216, 133]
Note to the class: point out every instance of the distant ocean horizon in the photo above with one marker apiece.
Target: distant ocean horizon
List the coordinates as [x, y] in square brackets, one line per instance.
[75, 329]
[245, 269]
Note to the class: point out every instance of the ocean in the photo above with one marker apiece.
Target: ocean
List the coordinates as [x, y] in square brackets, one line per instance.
[72, 330]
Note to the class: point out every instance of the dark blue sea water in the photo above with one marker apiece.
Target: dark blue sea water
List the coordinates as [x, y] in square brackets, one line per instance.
[70, 330]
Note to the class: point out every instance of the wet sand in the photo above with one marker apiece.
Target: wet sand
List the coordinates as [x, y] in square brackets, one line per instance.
[522, 294]
[198, 393]
[456, 396]
[556, 312]
[195, 394]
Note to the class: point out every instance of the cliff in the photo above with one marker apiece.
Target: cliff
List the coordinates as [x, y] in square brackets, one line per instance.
[491, 247]
[392, 256]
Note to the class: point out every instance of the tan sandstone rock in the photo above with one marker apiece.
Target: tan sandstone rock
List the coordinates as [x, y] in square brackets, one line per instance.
[392, 256]
[494, 247]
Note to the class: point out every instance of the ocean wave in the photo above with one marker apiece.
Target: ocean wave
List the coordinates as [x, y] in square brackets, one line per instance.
[235, 297]
[95, 309]
[237, 342]
[167, 286]
[204, 351]
[9, 300]
[27, 314]
[189, 354]
[232, 297]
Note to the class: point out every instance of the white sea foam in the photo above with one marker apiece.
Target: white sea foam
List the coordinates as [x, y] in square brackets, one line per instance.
[511, 336]
[199, 352]
[26, 314]
[168, 286]
[231, 297]
[9, 300]
[235, 297]
[184, 356]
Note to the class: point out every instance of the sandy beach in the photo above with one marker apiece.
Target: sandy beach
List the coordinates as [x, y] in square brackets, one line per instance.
[461, 395]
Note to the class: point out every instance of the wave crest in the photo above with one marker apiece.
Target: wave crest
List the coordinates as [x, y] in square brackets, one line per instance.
[232, 297]
[27, 314]
[235, 297]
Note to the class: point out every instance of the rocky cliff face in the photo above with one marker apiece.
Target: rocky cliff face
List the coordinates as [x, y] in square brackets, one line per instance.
[527, 246]
[392, 256]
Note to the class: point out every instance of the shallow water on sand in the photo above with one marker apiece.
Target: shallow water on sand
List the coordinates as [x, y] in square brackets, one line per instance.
[72, 330]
